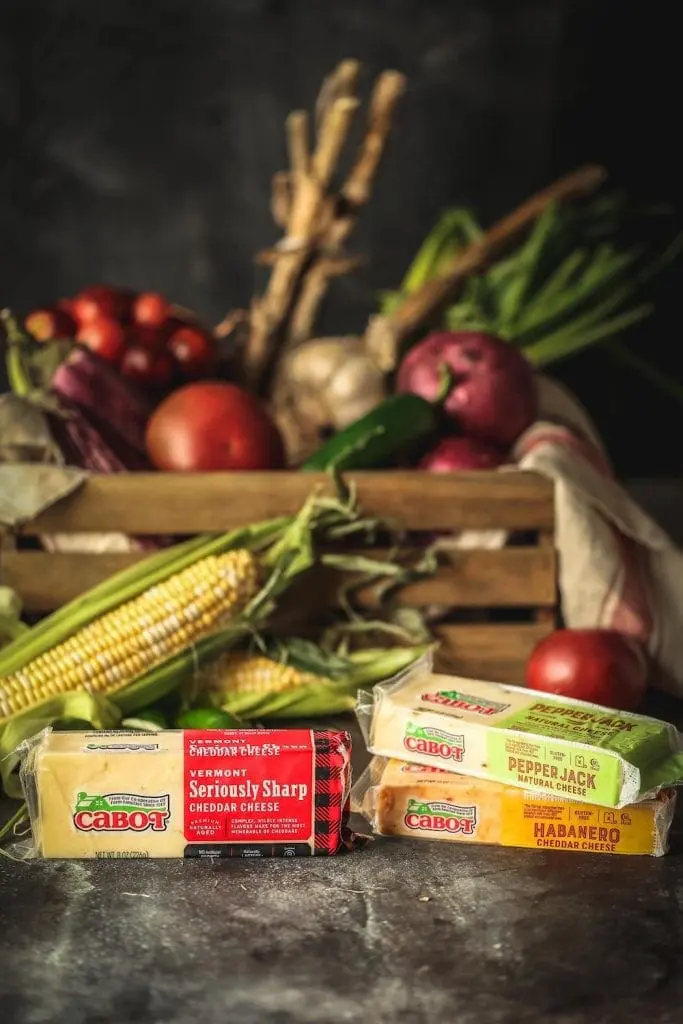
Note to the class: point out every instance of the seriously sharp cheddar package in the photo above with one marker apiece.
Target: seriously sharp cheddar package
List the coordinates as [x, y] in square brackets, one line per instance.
[402, 799]
[524, 738]
[186, 793]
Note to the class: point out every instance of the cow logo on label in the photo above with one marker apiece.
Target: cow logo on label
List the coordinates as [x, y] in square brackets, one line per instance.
[121, 812]
[425, 739]
[464, 702]
[440, 816]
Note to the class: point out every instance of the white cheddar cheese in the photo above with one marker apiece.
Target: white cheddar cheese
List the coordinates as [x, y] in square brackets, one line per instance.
[187, 793]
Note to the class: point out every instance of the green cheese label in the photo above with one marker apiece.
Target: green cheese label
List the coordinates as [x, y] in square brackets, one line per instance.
[555, 766]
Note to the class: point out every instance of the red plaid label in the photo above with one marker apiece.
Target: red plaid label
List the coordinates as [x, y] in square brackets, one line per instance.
[265, 793]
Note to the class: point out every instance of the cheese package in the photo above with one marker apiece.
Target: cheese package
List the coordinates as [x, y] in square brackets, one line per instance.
[402, 799]
[524, 738]
[186, 793]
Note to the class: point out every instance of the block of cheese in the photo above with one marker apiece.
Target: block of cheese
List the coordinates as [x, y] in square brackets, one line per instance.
[402, 799]
[186, 793]
[524, 738]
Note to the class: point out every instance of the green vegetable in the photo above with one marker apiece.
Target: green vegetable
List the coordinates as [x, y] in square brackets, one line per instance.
[576, 280]
[147, 718]
[375, 440]
[206, 718]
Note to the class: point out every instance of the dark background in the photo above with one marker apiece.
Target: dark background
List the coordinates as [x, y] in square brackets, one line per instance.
[137, 141]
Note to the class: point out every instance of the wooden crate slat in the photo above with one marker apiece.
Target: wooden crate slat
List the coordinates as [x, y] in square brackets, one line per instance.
[512, 577]
[148, 503]
[497, 652]
[519, 577]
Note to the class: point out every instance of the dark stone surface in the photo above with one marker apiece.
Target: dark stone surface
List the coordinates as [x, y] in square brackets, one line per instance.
[399, 931]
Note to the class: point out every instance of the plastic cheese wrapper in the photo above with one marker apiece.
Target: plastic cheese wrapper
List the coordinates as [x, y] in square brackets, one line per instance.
[524, 738]
[186, 793]
[402, 799]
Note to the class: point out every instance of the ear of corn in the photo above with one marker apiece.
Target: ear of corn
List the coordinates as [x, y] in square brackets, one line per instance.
[297, 679]
[134, 638]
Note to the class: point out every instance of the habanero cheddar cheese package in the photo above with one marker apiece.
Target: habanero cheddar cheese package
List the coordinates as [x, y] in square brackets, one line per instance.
[185, 793]
[524, 738]
[402, 799]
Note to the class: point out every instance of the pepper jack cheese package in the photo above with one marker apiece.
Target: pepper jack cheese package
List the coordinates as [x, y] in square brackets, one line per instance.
[524, 738]
[186, 793]
[402, 799]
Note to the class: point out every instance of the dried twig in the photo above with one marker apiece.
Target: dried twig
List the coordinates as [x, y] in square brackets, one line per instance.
[316, 221]
[345, 210]
[385, 334]
[310, 179]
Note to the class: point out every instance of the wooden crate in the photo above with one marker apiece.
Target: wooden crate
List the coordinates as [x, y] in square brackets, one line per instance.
[515, 586]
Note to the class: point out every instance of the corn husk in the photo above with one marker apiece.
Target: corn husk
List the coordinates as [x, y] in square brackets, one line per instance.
[286, 549]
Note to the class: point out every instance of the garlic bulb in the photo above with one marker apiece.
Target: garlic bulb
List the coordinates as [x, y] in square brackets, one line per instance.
[322, 387]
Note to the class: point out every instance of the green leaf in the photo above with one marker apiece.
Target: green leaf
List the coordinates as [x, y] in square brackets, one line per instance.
[529, 260]
[666, 384]
[87, 708]
[569, 341]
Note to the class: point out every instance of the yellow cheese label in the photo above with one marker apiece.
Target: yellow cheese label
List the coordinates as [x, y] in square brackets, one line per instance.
[406, 799]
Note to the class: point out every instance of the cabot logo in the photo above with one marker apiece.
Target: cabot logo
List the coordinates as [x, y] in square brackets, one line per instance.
[121, 812]
[464, 702]
[440, 816]
[420, 739]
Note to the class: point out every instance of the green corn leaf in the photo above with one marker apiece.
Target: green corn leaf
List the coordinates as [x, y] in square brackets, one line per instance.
[571, 340]
[86, 708]
[8, 829]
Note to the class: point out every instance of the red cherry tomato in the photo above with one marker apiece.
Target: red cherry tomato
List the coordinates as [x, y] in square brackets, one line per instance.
[193, 350]
[101, 301]
[105, 337]
[146, 366]
[48, 324]
[150, 309]
[152, 338]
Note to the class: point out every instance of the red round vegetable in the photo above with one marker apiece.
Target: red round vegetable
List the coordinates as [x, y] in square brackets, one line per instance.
[152, 338]
[147, 366]
[193, 350]
[213, 426]
[601, 666]
[101, 301]
[453, 454]
[105, 337]
[48, 324]
[492, 395]
[150, 309]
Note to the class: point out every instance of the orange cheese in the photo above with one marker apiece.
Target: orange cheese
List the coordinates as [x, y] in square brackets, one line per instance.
[401, 799]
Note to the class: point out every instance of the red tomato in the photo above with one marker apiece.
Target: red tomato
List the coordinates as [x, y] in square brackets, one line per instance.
[101, 301]
[601, 666]
[146, 366]
[150, 309]
[193, 350]
[213, 426]
[47, 324]
[105, 337]
[152, 338]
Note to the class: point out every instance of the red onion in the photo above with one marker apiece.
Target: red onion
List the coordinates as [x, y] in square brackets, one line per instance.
[492, 395]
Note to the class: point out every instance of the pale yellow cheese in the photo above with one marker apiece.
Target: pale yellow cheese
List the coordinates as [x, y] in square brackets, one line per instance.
[519, 737]
[125, 794]
[73, 775]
